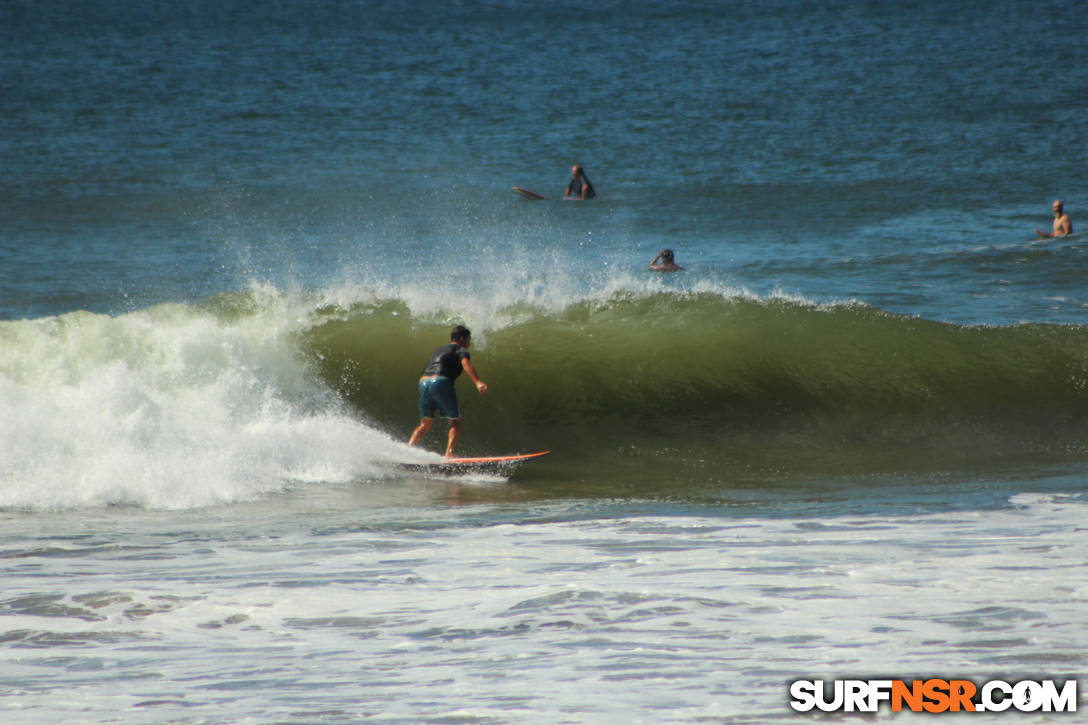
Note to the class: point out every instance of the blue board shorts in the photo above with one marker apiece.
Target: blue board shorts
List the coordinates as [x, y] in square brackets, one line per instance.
[438, 394]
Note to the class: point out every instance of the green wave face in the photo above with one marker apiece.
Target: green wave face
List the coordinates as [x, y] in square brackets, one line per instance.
[732, 384]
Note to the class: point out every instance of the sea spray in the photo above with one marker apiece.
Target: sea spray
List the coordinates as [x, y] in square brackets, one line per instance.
[171, 407]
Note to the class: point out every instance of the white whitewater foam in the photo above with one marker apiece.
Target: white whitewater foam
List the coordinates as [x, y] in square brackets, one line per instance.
[168, 407]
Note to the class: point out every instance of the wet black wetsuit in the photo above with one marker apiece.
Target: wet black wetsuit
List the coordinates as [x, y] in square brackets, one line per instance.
[574, 188]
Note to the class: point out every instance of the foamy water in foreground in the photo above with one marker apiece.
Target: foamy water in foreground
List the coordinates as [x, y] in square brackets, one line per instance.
[354, 603]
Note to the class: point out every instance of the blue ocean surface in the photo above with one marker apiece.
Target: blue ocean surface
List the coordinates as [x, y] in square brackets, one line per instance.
[847, 439]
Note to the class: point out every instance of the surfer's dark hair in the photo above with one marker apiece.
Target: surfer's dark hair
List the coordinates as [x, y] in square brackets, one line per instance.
[460, 332]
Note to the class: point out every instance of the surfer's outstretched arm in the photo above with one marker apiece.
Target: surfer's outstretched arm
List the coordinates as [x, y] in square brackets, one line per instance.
[480, 384]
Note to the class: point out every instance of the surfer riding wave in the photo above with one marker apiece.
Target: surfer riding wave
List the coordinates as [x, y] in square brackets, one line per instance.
[436, 390]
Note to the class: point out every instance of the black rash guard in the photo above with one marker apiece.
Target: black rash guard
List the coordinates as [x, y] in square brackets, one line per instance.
[574, 188]
[446, 361]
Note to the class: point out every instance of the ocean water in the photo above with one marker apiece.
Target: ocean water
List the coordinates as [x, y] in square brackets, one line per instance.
[848, 440]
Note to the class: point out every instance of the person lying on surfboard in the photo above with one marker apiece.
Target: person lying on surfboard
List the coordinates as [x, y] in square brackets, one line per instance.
[579, 186]
[1062, 224]
[436, 391]
[668, 262]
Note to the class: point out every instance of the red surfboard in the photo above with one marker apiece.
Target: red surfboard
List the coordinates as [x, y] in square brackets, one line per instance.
[480, 464]
[529, 193]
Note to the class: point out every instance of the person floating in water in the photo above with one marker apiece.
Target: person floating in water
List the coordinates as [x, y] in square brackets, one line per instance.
[1062, 224]
[579, 186]
[668, 262]
[436, 391]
